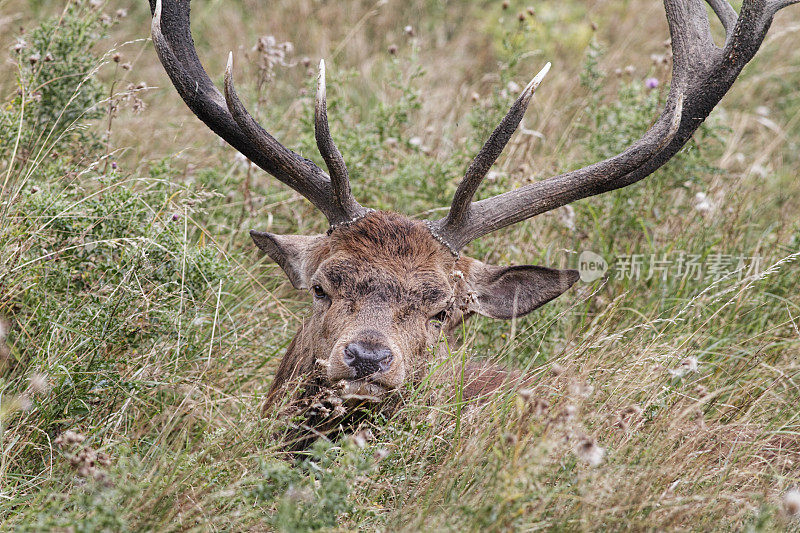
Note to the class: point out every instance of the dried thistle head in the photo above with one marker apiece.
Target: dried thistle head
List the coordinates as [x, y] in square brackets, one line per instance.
[566, 414]
[537, 406]
[687, 366]
[581, 388]
[509, 438]
[69, 438]
[791, 503]
[271, 54]
[699, 418]
[361, 438]
[380, 454]
[690, 364]
[589, 451]
[541, 406]
[88, 463]
[627, 415]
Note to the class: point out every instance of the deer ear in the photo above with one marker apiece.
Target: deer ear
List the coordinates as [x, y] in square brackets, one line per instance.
[508, 292]
[291, 252]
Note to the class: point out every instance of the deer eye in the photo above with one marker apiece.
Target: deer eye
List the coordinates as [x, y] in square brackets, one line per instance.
[319, 292]
[438, 319]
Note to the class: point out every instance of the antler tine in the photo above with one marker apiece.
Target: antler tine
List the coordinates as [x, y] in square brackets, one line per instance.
[702, 74]
[228, 118]
[285, 159]
[346, 208]
[494, 146]
[776, 5]
[726, 14]
[327, 148]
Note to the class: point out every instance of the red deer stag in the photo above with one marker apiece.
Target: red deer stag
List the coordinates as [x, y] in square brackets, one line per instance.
[387, 287]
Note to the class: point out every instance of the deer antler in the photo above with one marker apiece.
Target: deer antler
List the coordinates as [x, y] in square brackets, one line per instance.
[702, 73]
[487, 156]
[327, 148]
[229, 119]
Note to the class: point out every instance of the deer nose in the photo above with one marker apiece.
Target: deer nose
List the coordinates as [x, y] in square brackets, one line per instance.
[367, 359]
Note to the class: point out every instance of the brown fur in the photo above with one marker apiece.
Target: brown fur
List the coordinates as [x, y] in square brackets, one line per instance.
[384, 272]
[386, 281]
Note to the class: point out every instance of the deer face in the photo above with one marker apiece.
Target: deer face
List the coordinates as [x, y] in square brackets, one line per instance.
[385, 292]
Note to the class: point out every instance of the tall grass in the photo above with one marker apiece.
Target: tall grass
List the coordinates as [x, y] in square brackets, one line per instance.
[140, 329]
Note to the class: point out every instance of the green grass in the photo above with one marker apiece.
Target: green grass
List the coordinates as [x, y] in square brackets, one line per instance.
[138, 315]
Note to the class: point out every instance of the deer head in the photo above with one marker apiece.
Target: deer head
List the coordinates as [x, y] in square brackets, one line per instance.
[387, 287]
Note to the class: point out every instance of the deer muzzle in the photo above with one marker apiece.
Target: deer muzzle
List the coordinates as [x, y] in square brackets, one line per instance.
[367, 358]
[366, 365]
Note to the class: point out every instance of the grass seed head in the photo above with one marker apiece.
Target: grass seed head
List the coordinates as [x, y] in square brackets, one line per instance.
[39, 383]
[24, 403]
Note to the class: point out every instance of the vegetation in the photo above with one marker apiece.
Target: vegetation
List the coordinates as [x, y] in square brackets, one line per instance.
[141, 328]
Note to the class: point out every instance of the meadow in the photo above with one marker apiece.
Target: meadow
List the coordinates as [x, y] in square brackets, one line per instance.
[140, 327]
